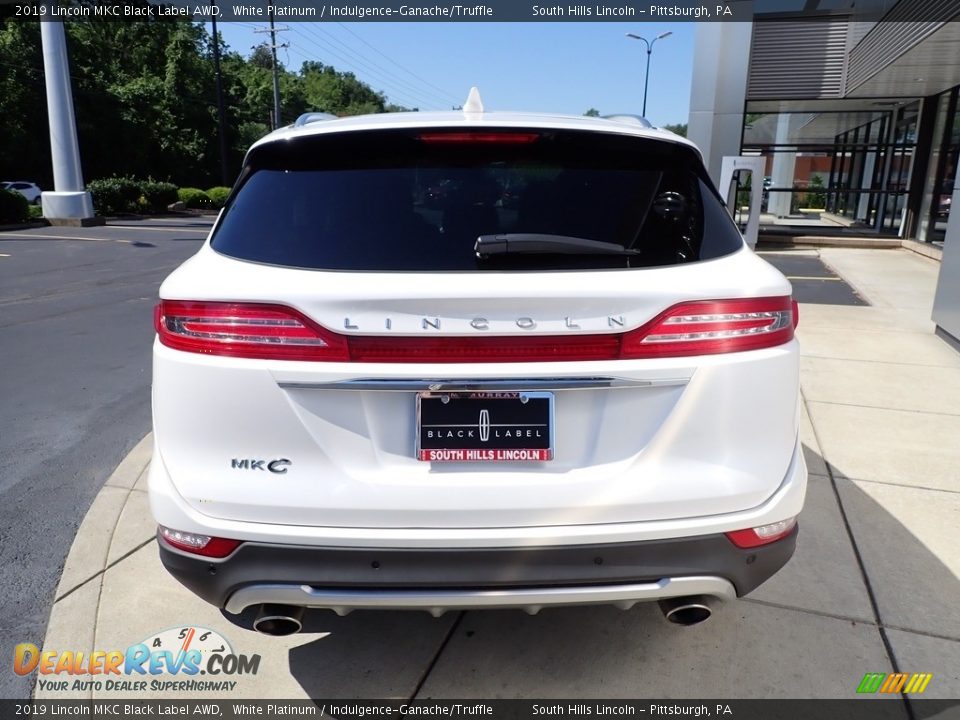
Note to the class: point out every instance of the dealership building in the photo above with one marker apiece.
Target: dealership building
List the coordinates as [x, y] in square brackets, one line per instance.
[854, 108]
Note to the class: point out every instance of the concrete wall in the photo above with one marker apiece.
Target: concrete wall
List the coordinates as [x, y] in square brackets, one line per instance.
[721, 61]
[946, 305]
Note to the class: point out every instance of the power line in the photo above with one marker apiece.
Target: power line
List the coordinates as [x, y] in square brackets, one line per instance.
[443, 92]
[324, 50]
[441, 97]
[404, 94]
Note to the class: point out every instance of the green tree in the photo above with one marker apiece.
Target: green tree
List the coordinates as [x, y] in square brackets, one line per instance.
[678, 128]
[144, 95]
[592, 112]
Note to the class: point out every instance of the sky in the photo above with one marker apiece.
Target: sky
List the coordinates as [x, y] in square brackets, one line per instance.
[550, 66]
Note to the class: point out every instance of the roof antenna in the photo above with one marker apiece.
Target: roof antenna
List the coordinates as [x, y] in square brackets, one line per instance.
[473, 104]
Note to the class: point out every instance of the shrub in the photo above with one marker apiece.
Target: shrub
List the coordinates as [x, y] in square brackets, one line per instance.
[156, 196]
[218, 196]
[817, 197]
[36, 212]
[115, 195]
[193, 197]
[14, 208]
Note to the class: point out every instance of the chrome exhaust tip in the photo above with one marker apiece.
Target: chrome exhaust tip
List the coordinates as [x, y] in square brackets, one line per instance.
[686, 611]
[278, 620]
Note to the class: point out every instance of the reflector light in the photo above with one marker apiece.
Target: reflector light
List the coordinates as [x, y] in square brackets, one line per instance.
[282, 333]
[198, 544]
[503, 138]
[763, 535]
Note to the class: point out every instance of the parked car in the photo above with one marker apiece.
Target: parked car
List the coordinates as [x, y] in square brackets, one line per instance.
[591, 397]
[31, 191]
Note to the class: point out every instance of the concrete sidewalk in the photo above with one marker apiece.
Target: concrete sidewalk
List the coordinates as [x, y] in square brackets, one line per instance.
[872, 588]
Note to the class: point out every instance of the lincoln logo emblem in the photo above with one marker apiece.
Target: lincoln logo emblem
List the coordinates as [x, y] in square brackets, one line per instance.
[484, 425]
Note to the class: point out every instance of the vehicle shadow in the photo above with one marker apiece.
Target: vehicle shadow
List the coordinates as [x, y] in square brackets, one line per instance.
[812, 631]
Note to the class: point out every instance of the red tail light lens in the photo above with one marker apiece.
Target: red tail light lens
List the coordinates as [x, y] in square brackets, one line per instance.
[713, 326]
[245, 330]
[542, 348]
[197, 544]
[281, 333]
[502, 138]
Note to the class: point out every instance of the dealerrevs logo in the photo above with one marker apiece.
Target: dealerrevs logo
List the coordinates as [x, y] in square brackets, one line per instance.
[167, 661]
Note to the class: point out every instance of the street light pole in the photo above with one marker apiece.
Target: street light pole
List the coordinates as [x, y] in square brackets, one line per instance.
[646, 79]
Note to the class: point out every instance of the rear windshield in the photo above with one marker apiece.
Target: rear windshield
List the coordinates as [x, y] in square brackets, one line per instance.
[419, 201]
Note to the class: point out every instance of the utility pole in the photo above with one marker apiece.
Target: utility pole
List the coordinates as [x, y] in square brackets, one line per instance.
[221, 118]
[276, 68]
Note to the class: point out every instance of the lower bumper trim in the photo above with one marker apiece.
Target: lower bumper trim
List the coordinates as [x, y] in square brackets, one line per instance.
[436, 602]
[439, 578]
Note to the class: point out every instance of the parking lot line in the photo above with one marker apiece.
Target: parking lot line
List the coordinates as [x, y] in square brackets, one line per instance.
[40, 236]
[181, 230]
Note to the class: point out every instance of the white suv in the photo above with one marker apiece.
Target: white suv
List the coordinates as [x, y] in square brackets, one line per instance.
[31, 191]
[470, 359]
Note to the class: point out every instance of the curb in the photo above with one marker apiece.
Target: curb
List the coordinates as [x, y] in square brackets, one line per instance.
[94, 547]
[117, 524]
[25, 226]
[114, 591]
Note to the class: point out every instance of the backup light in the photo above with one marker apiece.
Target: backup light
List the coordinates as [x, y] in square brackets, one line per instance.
[198, 544]
[762, 535]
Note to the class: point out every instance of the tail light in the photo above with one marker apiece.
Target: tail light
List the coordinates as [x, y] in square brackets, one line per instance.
[245, 330]
[763, 535]
[713, 326]
[197, 544]
[281, 333]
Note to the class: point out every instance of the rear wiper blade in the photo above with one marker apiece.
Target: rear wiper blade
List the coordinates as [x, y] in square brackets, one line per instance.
[544, 244]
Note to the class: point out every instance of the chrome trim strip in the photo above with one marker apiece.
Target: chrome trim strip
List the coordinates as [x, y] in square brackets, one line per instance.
[505, 384]
[438, 601]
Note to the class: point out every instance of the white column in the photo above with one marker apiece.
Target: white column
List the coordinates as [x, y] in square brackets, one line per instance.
[946, 303]
[781, 174]
[869, 164]
[68, 200]
[721, 62]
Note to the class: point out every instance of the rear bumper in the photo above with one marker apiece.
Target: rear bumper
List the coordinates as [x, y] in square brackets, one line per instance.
[343, 578]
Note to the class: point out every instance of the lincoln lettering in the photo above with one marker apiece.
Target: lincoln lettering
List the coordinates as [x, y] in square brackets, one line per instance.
[480, 323]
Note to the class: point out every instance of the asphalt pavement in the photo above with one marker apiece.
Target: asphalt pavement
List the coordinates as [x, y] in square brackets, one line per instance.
[76, 329]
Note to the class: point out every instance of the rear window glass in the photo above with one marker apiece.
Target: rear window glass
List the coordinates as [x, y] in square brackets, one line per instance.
[419, 201]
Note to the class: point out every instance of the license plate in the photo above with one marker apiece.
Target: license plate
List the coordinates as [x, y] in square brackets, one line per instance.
[485, 427]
